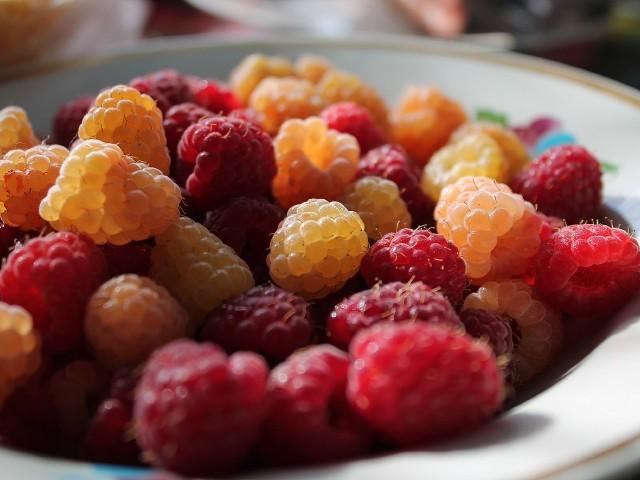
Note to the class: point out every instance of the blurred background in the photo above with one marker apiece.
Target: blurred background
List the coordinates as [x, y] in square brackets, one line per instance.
[599, 35]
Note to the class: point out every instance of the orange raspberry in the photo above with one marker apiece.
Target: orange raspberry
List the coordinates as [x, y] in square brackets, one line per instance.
[253, 69]
[15, 130]
[312, 67]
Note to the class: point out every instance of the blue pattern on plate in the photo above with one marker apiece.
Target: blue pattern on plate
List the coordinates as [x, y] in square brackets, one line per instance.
[121, 473]
[553, 139]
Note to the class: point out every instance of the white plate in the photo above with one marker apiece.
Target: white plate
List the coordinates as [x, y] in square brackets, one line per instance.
[586, 423]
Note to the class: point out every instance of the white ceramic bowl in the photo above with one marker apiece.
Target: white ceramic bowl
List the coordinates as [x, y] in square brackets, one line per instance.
[580, 419]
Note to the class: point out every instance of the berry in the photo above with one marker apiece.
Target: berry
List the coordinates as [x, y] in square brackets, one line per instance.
[495, 230]
[198, 269]
[68, 118]
[267, 320]
[25, 178]
[276, 100]
[550, 225]
[420, 255]
[390, 363]
[197, 411]
[565, 182]
[312, 67]
[228, 157]
[253, 69]
[531, 133]
[15, 130]
[391, 162]
[10, 237]
[213, 96]
[351, 118]
[317, 248]
[124, 116]
[248, 115]
[313, 161]
[52, 278]
[310, 420]
[166, 87]
[423, 120]
[134, 257]
[103, 194]
[539, 327]
[588, 270]
[495, 329]
[392, 302]
[130, 316]
[176, 121]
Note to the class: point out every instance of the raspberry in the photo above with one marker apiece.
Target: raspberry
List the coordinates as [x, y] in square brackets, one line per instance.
[388, 389]
[474, 155]
[213, 96]
[124, 116]
[310, 420]
[248, 115]
[423, 120]
[177, 119]
[103, 194]
[313, 161]
[229, 157]
[197, 411]
[540, 328]
[549, 225]
[276, 100]
[166, 87]
[25, 178]
[15, 130]
[393, 302]
[265, 319]
[134, 257]
[68, 118]
[391, 162]
[10, 237]
[317, 248]
[351, 118]
[52, 278]
[253, 69]
[419, 255]
[495, 329]
[198, 269]
[495, 230]
[588, 270]
[312, 67]
[531, 133]
[379, 204]
[565, 182]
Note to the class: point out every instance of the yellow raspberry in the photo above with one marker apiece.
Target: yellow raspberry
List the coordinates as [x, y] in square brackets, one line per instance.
[25, 178]
[496, 231]
[540, 329]
[198, 269]
[19, 348]
[253, 69]
[276, 100]
[317, 248]
[312, 67]
[379, 204]
[130, 119]
[15, 130]
[313, 161]
[105, 195]
[130, 316]
[475, 155]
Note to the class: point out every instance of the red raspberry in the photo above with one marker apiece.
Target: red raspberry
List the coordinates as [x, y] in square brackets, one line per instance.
[248, 115]
[52, 278]
[420, 255]
[393, 302]
[387, 381]
[565, 182]
[549, 225]
[351, 118]
[190, 208]
[166, 87]
[68, 118]
[134, 257]
[176, 121]
[266, 319]
[497, 330]
[391, 162]
[197, 411]
[310, 420]
[9, 238]
[228, 157]
[587, 269]
[213, 96]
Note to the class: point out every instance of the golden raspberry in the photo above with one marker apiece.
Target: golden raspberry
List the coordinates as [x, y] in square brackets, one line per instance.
[130, 119]
[253, 69]
[25, 178]
[19, 348]
[313, 161]
[423, 120]
[312, 67]
[278, 99]
[15, 130]
[198, 269]
[317, 248]
[104, 195]
[130, 316]
[474, 155]
[540, 329]
[496, 231]
[379, 204]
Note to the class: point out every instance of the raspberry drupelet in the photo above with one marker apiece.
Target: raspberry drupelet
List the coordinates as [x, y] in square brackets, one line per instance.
[351, 118]
[167, 87]
[68, 118]
[253, 69]
[15, 130]
[213, 96]
[176, 120]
